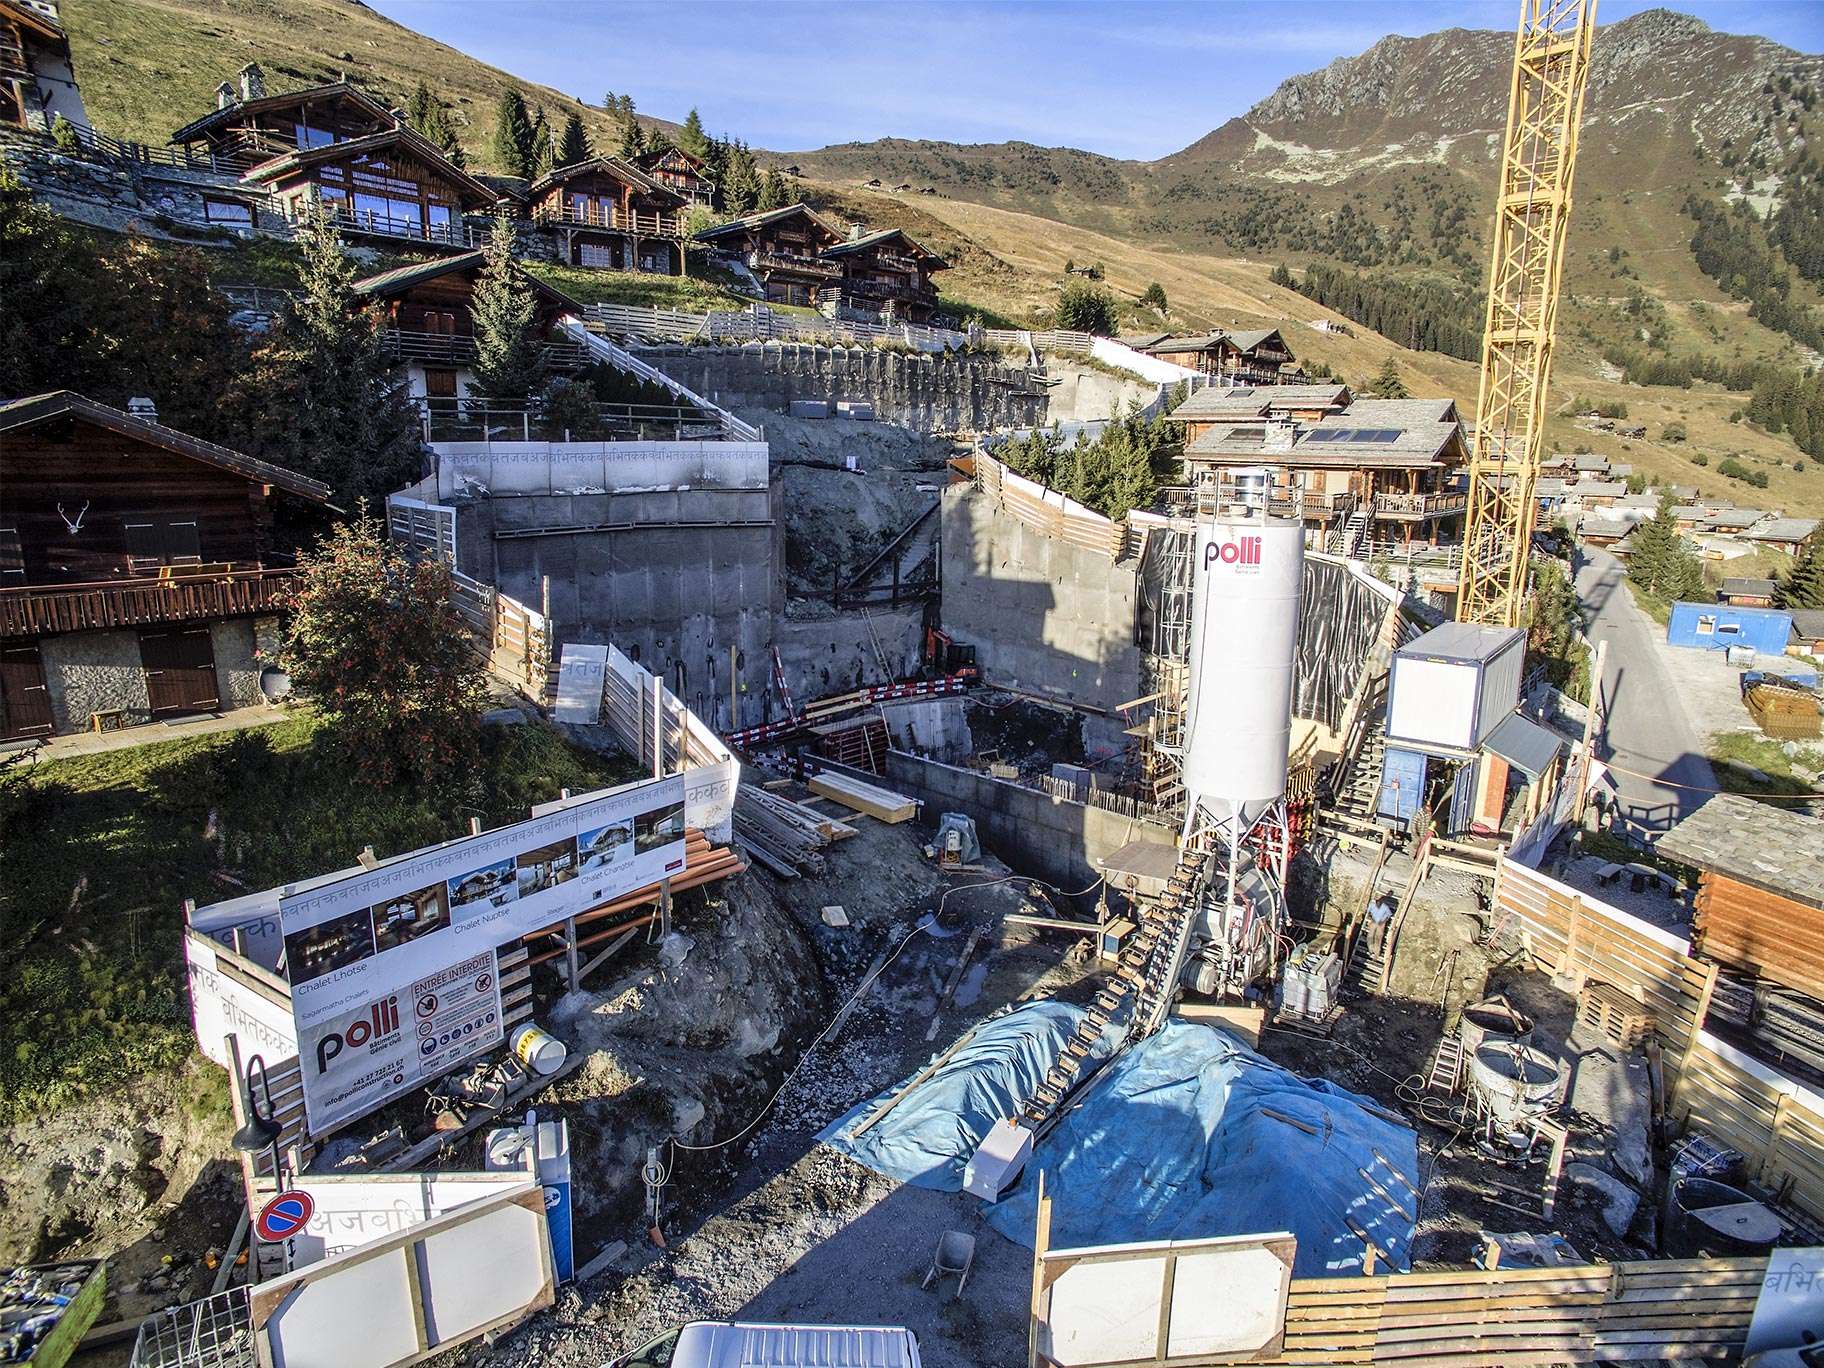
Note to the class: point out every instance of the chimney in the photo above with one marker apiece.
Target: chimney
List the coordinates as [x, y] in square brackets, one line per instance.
[143, 408]
[253, 82]
[224, 95]
[857, 232]
[1279, 437]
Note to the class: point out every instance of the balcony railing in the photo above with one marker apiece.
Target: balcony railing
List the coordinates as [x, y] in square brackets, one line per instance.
[453, 233]
[612, 219]
[461, 420]
[187, 596]
[1419, 505]
[12, 59]
[919, 293]
[796, 265]
[455, 349]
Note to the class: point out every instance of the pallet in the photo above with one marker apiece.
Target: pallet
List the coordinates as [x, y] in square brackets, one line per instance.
[1625, 1021]
[1297, 1023]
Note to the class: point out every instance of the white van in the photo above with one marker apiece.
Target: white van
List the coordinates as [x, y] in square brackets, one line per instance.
[719, 1344]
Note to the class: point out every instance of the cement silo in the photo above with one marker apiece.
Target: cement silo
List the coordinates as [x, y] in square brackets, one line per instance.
[1244, 636]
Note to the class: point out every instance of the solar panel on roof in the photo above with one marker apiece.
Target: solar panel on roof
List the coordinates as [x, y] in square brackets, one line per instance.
[1378, 435]
[1327, 435]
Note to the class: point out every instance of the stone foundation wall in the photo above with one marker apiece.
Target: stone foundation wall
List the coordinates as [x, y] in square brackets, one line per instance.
[927, 392]
[89, 672]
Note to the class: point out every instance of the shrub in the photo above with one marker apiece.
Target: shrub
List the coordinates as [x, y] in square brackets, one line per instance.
[1700, 459]
[1672, 432]
[63, 133]
[1083, 307]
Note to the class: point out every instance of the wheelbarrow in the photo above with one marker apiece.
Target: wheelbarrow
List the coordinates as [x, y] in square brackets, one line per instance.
[955, 1253]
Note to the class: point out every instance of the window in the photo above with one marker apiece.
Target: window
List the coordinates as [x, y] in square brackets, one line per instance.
[439, 383]
[155, 542]
[315, 137]
[12, 557]
[1706, 624]
[1729, 629]
[228, 213]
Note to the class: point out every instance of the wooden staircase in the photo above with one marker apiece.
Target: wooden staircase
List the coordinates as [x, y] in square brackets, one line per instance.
[1144, 981]
[1347, 538]
[1359, 793]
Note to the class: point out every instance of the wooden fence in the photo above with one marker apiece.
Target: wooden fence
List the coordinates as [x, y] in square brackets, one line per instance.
[1047, 511]
[1524, 1317]
[1711, 1086]
[514, 640]
[761, 324]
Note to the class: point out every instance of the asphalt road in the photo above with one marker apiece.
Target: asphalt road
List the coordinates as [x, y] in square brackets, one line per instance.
[1649, 731]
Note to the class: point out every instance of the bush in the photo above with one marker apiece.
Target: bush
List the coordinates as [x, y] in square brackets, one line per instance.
[1154, 298]
[1672, 432]
[1735, 470]
[1700, 459]
[1083, 307]
[63, 133]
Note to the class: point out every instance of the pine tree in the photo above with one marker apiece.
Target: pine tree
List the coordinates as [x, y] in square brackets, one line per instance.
[1803, 585]
[573, 146]
[514, 146]
[626, 106]
[773, 192]
[1154, 298]
[432, 122]
[692, 138]
[741, 184]
[544, 144]
[1663, 563]
[320, 395]
[633, 139]
[1387, 384]
[509, 359]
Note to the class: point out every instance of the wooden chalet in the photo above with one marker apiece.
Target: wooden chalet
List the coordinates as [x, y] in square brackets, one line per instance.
[784, 249]
[390, 184]
[888, 273]
[679, 172]
[430, 324]
[137, 567]
[37, 79]
[1260, 357]
[607, 213]
[248, 126]
[1359, 472]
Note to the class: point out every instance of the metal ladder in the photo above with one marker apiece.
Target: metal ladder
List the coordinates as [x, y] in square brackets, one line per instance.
[1447, 1067]
[1146, 972]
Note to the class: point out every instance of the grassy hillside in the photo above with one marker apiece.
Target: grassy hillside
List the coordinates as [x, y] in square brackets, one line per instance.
[148, 67]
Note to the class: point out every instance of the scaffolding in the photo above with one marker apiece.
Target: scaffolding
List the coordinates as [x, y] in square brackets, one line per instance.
[1545, 108]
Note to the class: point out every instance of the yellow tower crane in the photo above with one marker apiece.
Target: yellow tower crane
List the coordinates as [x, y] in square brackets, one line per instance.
[1545, 107]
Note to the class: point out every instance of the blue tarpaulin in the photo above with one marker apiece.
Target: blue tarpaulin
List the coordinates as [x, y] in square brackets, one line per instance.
[1173, 1141]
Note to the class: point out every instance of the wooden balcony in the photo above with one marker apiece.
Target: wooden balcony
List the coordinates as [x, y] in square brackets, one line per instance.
[909, 292]
[457, 349]
[188, 595]
[1419, 506]
[610, 219]
[808, 267]
[452, 234]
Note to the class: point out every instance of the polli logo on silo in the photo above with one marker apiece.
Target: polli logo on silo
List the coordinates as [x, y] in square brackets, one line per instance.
[1242, 553]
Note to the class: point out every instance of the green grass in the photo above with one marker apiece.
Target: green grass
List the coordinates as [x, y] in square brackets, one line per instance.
[1655, 607]
[97, 854]
[693, 293]
[1741, 759]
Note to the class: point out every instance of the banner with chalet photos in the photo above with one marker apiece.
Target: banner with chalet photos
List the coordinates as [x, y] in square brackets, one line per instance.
[392, 970]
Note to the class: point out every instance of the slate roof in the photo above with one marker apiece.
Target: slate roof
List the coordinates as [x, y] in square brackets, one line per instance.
[1218, 402]
[1595, 526]
[1763, 844]
[1808, 623]
[18, 414]
[1761, 588]
[1737, 518]
[215, 118]
[1600, 488]
[886, 235]
[1587, 462]
[1786, 530]
[1394, 412]
[402, 278]
[419, 148]
[621, 170]
[760, 220]
[1247, 341]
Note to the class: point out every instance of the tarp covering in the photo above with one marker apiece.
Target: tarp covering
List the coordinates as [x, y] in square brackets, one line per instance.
[1172, 1142]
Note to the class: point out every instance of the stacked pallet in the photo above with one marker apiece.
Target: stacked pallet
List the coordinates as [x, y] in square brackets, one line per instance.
[787, 837]
[1784, 713]
[1624, 1020]
[880, 803]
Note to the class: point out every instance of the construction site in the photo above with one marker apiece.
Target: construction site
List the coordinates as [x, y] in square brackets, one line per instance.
[1030, 936]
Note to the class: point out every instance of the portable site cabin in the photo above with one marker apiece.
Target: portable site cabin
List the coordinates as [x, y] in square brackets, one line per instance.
[1719, 626]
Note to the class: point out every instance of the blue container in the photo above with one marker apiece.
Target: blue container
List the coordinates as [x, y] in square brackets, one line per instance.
[1402, 784]
[1719, 626]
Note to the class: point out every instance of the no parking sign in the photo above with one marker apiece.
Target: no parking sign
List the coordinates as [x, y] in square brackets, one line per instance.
[284, 1216]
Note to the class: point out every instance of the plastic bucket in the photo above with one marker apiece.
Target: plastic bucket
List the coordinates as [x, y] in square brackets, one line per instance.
[537, 1049]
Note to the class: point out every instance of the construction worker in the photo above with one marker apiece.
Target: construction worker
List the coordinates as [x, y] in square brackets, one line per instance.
[1380, 913]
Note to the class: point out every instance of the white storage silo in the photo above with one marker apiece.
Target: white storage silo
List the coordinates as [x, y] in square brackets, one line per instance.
[1244, 636]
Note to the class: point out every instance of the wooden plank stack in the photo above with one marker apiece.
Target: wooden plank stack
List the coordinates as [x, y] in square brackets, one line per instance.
[1624, 1020]
[1785, 714]
[882, 804]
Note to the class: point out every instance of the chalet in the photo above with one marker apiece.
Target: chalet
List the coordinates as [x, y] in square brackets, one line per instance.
[1744, 592]
[1787, 534]
[138, 567]
[37, 80]
[608, 213]
[679, 172]
[1258, 357]
[430, 325]
[1358, 471]
[248, 126]
[888, 273]
[390, 184]
[784, 250]
[1604, 530]
[1808, 631]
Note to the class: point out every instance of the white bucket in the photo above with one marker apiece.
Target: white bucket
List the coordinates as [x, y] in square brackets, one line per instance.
[537, 1049]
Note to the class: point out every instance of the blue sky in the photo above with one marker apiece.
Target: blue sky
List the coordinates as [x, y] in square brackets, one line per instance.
[1129, 79]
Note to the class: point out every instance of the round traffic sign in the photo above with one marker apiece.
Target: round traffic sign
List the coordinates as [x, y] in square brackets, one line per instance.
[284, 1216]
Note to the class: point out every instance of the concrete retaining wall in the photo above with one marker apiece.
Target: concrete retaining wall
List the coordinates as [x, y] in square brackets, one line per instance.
[835, 653]
[930, 393]
[563, 467]
[1031, 832]
[1045, 617]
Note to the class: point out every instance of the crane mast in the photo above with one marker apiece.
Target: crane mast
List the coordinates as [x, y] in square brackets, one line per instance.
[1545, 108]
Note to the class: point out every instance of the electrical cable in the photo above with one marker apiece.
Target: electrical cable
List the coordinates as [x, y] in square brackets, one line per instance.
[1614, 768]
[925, 923]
